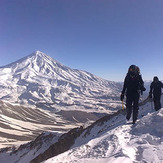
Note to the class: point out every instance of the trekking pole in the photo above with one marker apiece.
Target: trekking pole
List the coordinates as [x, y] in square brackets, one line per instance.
[122, 105]
[151, 105]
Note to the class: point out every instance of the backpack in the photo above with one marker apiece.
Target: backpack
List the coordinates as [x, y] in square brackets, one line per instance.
[133, 69]
[133, 80]
[156, 86]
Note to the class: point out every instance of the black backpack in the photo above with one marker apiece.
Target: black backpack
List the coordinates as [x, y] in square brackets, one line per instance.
[133, 81]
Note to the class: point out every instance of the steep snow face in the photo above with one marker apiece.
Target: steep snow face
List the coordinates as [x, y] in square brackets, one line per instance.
[39, 79]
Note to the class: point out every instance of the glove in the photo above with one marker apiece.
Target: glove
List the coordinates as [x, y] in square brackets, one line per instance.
[143, 89]
[122, 97]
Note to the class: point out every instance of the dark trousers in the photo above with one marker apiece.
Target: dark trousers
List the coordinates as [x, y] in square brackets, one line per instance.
[132, 105]
[157, 103]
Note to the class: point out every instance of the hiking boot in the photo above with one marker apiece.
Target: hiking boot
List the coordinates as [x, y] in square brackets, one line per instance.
[128, 118]
[133, 122]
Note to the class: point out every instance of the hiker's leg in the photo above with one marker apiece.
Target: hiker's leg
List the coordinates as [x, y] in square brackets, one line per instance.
[158, 103]
[155, 103]
[128, 107]
[135, 107]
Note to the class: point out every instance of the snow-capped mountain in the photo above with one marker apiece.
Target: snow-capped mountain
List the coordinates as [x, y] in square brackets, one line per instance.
[40, 80]
[40, 94]
[110, 139]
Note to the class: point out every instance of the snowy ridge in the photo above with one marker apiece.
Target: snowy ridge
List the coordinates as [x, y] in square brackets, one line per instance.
[123, 142]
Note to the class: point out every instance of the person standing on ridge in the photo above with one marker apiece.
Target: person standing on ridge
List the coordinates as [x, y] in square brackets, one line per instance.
[155, 90]
[133, 86]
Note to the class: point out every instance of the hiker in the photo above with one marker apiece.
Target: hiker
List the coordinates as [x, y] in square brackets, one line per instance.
[155, 90]
[133, 86]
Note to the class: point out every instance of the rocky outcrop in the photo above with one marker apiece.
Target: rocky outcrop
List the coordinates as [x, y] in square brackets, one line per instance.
[64, 143]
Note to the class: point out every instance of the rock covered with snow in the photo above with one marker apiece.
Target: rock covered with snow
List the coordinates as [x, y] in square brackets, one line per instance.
[28, 151]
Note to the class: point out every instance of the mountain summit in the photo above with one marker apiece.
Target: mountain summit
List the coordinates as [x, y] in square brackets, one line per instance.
[38, 79]
[37, 62]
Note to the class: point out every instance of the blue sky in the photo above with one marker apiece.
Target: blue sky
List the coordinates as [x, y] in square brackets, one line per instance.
[103, 37]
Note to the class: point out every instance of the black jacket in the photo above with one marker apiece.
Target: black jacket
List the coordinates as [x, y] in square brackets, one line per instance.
[155, 88]
[133, 84]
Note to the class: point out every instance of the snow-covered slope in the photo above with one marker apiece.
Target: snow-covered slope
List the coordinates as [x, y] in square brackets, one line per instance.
[123, 142]
[40, 80]
[110, 139]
